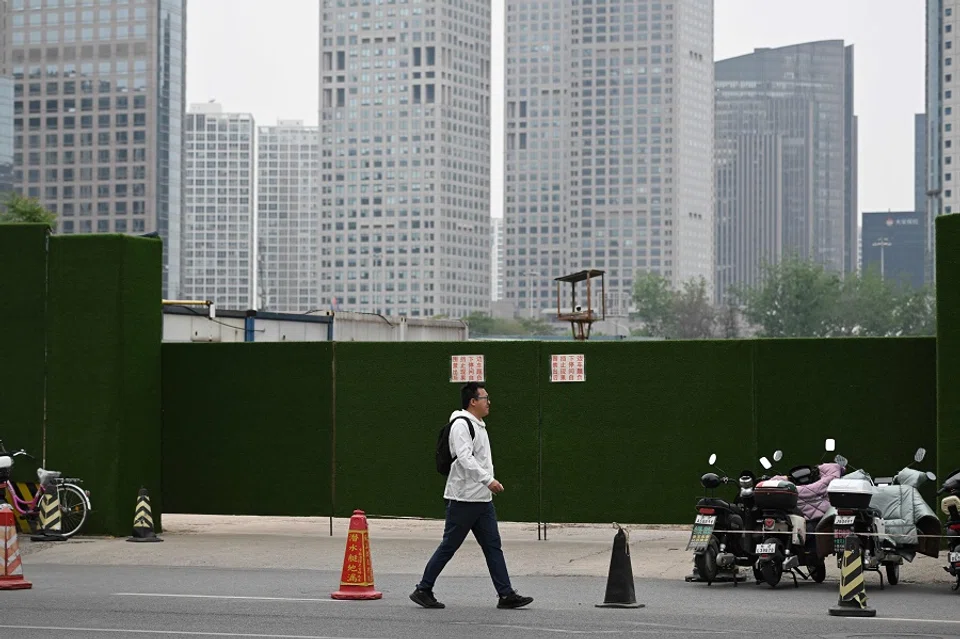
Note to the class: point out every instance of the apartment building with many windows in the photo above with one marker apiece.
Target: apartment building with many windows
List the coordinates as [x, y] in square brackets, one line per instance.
[219, 213]
[288, 217]
[609, 144]
[405, 156]
[98, 97]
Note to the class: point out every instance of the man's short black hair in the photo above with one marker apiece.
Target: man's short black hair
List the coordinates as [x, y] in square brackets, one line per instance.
[469, 391]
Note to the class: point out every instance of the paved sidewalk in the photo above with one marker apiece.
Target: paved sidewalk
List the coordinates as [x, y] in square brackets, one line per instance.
[399, 546]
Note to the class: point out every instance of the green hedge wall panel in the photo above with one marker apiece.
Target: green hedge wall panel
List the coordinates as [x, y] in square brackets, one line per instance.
[948, 343]
[631, 442]
[246, 428]
[874, 396]
[141, 431]
[104, 370]
[23, 277]
[392, 400]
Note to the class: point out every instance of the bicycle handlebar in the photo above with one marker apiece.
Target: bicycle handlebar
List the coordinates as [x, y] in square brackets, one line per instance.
[17, 453]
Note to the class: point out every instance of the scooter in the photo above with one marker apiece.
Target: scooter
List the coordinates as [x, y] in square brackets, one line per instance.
[887, 513]
[719, 537]
[950, 505]
[783, 526]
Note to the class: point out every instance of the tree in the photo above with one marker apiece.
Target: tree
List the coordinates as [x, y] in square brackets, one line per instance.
[653, 298]
[916, 313]
[728, 320]
[800, 298]
[482, 324]
[20, 210]
[693, 314]
[671, 314]
[866, 307]
[795, 298]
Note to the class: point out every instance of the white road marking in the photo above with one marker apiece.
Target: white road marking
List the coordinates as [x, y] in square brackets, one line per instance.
[661, 629]
[183, 596]
[175, 633]
[905, 620]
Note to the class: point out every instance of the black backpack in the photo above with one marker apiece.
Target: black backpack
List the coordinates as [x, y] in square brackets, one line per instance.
[444, 457]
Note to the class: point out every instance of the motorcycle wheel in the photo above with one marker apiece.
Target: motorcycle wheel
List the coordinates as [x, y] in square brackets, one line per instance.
[772, 571]
[819, 571]
[893, 574]
[706, 562]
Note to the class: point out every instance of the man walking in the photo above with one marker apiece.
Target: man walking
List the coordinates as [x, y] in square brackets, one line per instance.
[469, 496]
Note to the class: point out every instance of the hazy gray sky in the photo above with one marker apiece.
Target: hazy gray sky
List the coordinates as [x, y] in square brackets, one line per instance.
[265, 62]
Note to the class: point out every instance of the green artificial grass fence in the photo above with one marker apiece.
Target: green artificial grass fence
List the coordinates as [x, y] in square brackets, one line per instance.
[393, 399]
[103, 387]
[948, 343]
[23, 266]
[247, 428]
[628, 444]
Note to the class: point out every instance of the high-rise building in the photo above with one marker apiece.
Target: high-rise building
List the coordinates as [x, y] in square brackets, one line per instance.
[786, 160]
[98, 115]
[920, 165]
[609, 145]
[219, 213]
[942, 119]
[6, 106]
[894, 245]
[288, 218]
[496, 259]
[405, 144]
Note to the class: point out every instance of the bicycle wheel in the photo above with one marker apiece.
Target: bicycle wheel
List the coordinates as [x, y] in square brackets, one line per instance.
[73, 509]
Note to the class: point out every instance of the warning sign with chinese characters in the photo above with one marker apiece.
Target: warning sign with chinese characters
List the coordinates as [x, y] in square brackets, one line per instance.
[357, 566]
[466, 368]
[567, 368]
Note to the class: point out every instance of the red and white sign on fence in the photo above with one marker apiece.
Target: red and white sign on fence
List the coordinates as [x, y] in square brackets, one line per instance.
[466, 368]
[567, 368]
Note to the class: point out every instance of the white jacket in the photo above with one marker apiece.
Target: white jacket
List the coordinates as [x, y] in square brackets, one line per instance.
[472, 470]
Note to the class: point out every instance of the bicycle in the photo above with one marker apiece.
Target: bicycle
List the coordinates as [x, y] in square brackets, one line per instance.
[74, 501]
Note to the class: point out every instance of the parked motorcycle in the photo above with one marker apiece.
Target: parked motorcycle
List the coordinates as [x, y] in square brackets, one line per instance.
[950, 505]
[887, 513]
[783, 525]
[717, 541]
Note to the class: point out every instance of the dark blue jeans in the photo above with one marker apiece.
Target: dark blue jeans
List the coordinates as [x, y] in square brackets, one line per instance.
[464, 517]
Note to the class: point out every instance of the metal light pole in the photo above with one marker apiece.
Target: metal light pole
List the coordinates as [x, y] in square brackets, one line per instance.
[530, 294]
[883, 243]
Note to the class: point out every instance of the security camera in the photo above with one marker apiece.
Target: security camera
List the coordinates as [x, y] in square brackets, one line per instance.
[577, 309]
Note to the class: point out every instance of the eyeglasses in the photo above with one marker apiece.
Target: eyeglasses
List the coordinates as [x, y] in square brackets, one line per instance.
[484, 397]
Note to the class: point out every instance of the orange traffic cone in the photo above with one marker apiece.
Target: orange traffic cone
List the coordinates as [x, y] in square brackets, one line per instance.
[11, 576]
[356, 580]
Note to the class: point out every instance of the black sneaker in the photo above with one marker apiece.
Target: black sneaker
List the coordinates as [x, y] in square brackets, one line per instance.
[514, 600]
[425, 598]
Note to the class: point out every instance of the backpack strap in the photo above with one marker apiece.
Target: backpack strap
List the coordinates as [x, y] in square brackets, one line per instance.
[473, 434]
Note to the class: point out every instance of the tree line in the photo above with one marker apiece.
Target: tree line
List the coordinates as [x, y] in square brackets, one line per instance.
[793, 298]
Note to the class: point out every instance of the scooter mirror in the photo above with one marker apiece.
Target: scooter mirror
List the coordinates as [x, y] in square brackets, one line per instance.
[931, 476]
[765, 463]
[713, 459]
[921, 453]
[841, 460]
[831, 445]
[778, 455]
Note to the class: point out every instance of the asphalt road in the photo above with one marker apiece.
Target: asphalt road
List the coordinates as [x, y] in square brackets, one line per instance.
[101, 601]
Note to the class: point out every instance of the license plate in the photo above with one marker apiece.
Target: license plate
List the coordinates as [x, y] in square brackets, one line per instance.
[706, 520]
[954, 558]
[766, 549]
[846, 520]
